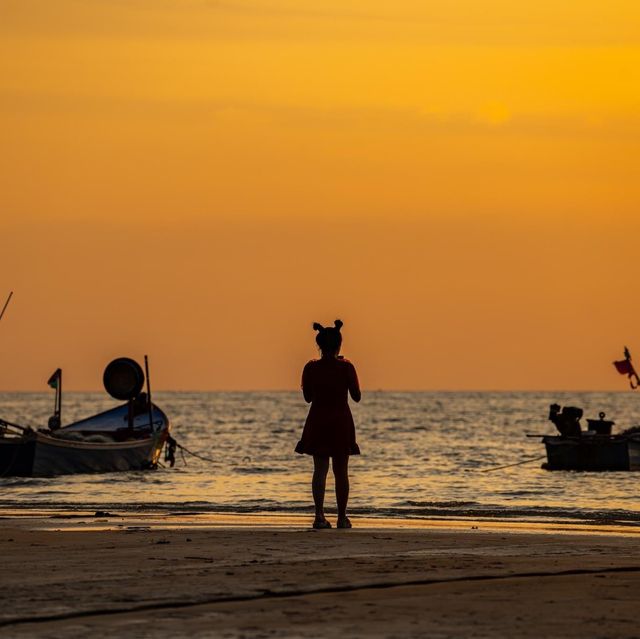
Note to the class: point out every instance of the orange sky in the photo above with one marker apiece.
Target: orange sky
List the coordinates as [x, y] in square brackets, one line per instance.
[202, 180]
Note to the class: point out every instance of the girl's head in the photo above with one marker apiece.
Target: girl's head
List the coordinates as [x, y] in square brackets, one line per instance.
[329, 339]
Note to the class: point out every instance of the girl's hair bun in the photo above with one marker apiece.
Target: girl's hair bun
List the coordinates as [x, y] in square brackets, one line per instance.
[329, 338]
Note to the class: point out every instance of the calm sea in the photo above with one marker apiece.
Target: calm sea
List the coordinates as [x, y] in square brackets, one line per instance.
[423, 456]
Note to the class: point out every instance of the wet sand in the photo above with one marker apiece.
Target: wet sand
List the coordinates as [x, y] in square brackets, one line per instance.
[272, 576]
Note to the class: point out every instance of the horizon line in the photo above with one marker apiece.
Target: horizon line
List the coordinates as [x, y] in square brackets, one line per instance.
[373, 390]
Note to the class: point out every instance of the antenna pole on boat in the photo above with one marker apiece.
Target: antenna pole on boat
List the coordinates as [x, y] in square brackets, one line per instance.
[4, 308]
[149, 404]
[59, 399]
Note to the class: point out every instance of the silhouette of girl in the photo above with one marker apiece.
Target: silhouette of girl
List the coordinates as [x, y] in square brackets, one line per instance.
[329, 430]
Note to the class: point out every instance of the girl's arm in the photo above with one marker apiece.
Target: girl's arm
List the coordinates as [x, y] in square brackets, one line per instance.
[307, 387]
[354, 384]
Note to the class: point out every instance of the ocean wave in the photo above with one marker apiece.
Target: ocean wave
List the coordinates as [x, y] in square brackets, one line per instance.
[423, 456]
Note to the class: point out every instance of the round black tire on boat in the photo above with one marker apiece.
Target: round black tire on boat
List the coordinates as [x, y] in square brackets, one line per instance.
[123, 378]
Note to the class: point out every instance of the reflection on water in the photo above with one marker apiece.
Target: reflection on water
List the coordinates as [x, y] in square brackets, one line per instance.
[422, 455]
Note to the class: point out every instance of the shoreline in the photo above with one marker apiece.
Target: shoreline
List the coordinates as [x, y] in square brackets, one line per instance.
[61, 520]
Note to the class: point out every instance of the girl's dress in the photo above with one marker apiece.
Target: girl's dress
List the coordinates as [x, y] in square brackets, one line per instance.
[329, 430]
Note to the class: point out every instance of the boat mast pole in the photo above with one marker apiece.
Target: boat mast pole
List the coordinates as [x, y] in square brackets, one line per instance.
[149, 404]
[4, 308]
[59, 398]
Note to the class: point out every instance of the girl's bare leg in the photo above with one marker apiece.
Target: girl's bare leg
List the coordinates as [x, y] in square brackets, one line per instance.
[319, 483]
[341, 474]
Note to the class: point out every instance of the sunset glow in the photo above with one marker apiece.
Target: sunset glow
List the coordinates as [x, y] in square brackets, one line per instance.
[200, 181]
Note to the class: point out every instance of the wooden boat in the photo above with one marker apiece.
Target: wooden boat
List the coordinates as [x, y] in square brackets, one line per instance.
[128, 437]
[594, 453]
[595, 449]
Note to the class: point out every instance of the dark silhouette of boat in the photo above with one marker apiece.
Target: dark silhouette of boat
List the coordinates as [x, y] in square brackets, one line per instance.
[593, 449]
[128, 437]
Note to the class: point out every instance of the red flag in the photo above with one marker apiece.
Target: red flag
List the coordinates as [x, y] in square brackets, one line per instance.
[624, 367]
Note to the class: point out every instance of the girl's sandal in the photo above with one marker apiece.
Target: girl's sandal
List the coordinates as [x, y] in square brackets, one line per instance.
[321, 524]
[344, 523]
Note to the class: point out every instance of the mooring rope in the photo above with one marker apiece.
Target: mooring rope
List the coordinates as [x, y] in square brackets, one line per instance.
[526, 461]
[184, 449]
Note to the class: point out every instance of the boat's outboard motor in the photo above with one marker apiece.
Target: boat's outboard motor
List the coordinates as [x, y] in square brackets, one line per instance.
[567, 421]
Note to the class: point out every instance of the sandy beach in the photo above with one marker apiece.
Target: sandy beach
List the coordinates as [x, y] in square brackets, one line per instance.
[73, 575]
